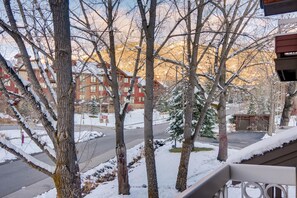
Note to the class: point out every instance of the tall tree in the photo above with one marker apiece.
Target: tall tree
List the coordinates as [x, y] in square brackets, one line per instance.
[59, 128]
[225, 32]
[193, 60]
[106, 39]
[236, 17]
[148, 26]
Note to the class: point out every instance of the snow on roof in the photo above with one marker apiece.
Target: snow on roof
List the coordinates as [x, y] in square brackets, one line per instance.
[89, 67]
[141, 81]
[129, 74]
[264, 145]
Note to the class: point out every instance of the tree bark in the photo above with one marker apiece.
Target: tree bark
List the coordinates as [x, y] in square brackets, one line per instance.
[288, 107]
[66, 176]
[181, 182]
[149, 29]
[188, 143]
[223, 139]
[123, 180]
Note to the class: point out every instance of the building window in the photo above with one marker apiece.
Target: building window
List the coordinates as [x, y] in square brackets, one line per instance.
[82, 78]
[126, 89]
[43, 85]
[141, 99]
[93, 97]
[82, 88]
[126, 80]
[93, 79]
[101, 88]
[132, 100]
[140, 90]
[93, 88]
[81, 97]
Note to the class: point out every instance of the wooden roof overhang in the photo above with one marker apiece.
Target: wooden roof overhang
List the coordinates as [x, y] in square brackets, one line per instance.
[281, 156]
[272, 7]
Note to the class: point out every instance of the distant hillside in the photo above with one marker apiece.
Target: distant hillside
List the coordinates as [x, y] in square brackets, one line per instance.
[166, 72]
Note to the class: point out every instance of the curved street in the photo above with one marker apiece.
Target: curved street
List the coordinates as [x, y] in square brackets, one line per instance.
[16, 176]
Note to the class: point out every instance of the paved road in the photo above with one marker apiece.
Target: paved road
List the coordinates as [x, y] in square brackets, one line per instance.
[238, 140]
[17, 174]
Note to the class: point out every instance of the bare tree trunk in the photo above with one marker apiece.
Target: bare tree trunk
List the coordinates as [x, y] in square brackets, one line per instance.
[181, 182]
[148, 122]
[188, 143]
[149, 29]
[223, 140]
[121, 153]
[271, 127]
[288, 107]
[66, 176]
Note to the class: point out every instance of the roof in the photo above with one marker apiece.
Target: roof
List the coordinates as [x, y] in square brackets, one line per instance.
[142, 82]
[266, 145]
[87, 68]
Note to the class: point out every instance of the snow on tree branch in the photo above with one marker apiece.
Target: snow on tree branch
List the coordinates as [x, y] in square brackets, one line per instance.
[43, 115]
[32, 161]
[25, 126]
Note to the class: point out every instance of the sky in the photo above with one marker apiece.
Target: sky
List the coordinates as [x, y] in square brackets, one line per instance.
[9, 49]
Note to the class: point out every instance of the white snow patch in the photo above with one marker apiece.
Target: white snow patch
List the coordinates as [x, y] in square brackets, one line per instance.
[201, 164]
[134, 119]
[28, 157]
[264, 145]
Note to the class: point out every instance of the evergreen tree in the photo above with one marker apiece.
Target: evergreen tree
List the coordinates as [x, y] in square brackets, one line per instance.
[176, 112]
[93, 108]
[252, 109]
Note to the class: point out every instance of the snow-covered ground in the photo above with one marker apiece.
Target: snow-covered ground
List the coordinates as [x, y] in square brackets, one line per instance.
[201, 164]
[30, 147]
[2, 115]
[133, 119]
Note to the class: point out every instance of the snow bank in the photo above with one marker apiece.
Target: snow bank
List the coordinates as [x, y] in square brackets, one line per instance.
[264, 145]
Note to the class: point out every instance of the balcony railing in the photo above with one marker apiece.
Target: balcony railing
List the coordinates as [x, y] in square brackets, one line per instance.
[269, 181]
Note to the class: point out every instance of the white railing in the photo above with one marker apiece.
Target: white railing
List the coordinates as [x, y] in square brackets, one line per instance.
[269, 181]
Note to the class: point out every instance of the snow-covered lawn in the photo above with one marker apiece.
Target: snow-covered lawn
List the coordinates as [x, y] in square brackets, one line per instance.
[30, 147]
[133, 119]
[201, 164]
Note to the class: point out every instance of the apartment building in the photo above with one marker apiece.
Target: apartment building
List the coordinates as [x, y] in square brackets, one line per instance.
[91, 84]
